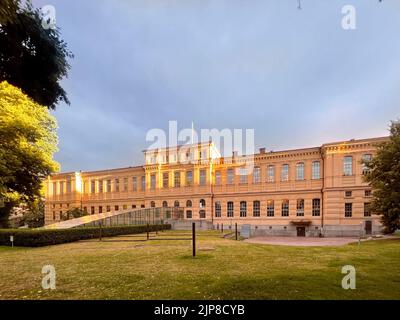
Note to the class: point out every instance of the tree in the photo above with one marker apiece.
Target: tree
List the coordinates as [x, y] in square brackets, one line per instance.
[74, 213]
[34, 215]
[32, 58]
[384, 177]
[28, 142]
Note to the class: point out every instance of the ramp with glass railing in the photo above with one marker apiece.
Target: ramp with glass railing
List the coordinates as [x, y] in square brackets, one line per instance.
[120, 218]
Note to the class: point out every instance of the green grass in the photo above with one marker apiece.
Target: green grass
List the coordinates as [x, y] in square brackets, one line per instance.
[223, 269]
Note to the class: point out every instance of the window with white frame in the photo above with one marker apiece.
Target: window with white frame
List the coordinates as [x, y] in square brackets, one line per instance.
[230, 211]
[316, 170]
[229, 176]
[270, 208]
[203, 177]
[256, 174]
[243, 175]
[300, 171]
[217, 177]
[300, 208]
[243, 209]
[218, 209]
[348, 165]
[270, 174]
[285, 172]
[256, 208]
[189, 178]
[285, 208]
[134, 184]
[365, 159]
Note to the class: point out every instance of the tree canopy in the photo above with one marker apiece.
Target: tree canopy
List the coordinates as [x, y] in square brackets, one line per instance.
[384, 177]
[31, 57]
[28, 142]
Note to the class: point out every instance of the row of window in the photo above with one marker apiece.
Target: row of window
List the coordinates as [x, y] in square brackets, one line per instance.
[270, 208]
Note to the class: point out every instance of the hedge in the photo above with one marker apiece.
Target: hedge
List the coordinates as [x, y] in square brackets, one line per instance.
[42, 237]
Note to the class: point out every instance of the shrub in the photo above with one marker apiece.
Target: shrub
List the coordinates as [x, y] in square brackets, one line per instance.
[42, 237]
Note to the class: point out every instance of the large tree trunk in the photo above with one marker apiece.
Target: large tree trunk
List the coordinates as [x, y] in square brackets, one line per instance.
[5, 214]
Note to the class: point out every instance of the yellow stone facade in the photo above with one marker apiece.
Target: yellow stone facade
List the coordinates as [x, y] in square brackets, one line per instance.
[300, 192]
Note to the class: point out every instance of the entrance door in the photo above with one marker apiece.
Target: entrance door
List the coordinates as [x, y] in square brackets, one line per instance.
[301, 231]
[368, 227]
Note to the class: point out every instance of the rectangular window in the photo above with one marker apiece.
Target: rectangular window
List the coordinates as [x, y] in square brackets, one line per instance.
[177, 179]
[229, 176]
[230, 209]
[125, 184]
[116, 208]
[143, 183]
[367, 209]
[189, 178]
[189, 214]
[300, 208]
[285, 208]
[217, 177]
[108, 208]
[100, 209]
[92, 210]
[285, 172]
[202, 177]
[165, 180]
[368, 193]
[256, 208]
[218, 209]
[366, 158]
[242, 175]
[348, 210]
[316, 207]
[100, 186]
[243, 209]
[271, 174]
[68, 186]
[316, 170]
[108, 186]
[134, 184]
[124, 207]
[152, 181]
[256, 175]
[348, 194]
[270, 208]
[93, 186]
[300, 171]
[348, 165]
[202, 214]
[116, 185]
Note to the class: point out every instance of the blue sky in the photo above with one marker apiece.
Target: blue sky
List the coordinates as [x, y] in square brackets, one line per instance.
[295, 76]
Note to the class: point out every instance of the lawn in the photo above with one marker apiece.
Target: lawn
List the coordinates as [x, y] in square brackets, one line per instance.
[223, 269]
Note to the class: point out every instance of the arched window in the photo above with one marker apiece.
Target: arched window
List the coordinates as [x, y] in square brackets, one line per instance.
[300, 171]
[300, 208]
[189, 203]
[365, 159]
[202, 203]
[176, 203]
[348, 165]
[165, 204]
[152, 204]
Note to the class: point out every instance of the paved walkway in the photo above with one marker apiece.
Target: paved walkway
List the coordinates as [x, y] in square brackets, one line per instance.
[302, 241]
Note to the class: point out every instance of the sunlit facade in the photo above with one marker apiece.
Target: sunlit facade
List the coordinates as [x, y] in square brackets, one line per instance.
[303, 192]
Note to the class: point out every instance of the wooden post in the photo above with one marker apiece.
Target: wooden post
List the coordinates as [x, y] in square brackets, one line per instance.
[148, 237]
[236, 232]
[222, 228]
[194, 239]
